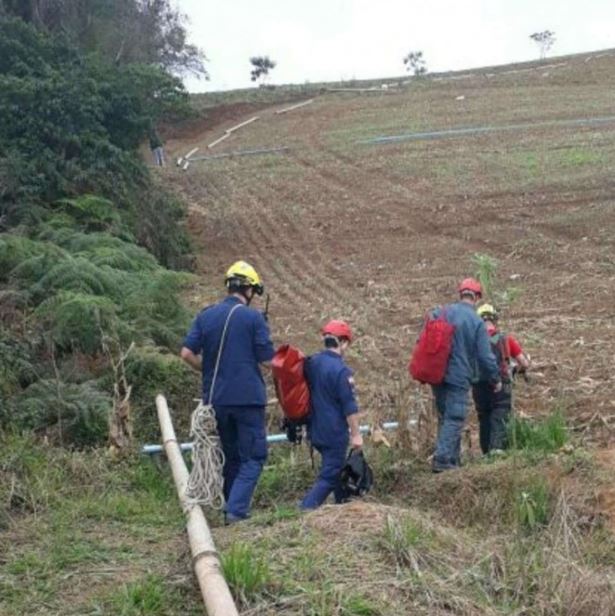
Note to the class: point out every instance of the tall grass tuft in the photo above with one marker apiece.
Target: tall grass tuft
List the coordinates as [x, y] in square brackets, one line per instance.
[544, 435]
[246, 573]
[485, 270]
[403, 541]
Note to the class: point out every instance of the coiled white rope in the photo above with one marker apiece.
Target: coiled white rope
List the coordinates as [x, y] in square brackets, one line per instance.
[205, 483]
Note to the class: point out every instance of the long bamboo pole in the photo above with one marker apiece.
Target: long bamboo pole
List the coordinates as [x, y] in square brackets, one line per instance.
[216, 593]
[238, 126]
[297, 106]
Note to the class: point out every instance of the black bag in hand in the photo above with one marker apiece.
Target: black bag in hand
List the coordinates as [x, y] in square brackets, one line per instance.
[357, 477]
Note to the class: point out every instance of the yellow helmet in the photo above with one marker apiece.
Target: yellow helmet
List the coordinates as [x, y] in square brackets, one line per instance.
[487, 311]
[242, 274]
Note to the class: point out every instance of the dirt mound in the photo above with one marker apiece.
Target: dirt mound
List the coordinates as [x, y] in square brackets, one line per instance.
[359, 517]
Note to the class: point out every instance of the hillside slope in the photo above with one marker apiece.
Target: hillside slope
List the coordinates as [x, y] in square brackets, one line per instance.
[377, 234]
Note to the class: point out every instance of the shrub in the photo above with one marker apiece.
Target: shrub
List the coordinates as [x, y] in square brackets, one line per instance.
[16, 368]
[91, 213]
[78, 320]
[150, 373]
[71, 413]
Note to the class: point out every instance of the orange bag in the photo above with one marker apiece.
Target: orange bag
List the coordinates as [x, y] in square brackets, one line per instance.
[291, 385]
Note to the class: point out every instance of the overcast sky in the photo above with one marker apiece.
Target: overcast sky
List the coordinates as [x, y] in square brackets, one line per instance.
[324, 40]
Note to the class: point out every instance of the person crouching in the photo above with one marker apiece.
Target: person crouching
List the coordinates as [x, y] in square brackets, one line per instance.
[333, 422]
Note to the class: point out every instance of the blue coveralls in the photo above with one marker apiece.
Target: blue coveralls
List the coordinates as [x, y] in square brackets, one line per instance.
[471, 350]
[239, 396]
[332, 401]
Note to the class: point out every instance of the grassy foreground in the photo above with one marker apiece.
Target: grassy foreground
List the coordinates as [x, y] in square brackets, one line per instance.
[522, 534]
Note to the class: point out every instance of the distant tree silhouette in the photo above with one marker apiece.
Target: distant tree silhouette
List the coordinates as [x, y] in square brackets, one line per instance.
[261, 67]
[544, 40]
[414, 62]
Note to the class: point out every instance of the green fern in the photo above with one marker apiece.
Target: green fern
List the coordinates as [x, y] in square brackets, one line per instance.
[15, 250]
[97, 246]
[91, 212]
[75, 413]
[75, 274]
[78, 320]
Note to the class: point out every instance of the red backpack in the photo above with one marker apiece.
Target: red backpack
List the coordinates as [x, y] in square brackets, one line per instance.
[432, 351]
[291, 385]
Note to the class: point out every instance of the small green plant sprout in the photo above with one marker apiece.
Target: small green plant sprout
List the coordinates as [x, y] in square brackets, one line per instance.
[246, 573]
[533, 506]
[485, 269]
[507, 297]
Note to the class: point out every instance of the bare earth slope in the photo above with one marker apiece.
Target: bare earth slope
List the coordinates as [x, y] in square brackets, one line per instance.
[379, 233]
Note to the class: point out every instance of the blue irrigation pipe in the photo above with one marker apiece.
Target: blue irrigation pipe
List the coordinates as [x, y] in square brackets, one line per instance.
[272, 438]
[479, 130]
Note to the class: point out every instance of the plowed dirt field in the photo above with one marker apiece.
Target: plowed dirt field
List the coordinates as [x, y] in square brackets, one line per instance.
[377, 234]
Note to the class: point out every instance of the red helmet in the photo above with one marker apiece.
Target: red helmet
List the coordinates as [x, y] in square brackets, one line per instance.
[471, 284]
[339, 329]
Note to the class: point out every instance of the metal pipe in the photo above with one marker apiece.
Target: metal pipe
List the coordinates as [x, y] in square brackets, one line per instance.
[479, 130]
[215, 592]
[273, 438]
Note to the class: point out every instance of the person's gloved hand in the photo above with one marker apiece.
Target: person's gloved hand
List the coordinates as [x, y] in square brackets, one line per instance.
[497, 388]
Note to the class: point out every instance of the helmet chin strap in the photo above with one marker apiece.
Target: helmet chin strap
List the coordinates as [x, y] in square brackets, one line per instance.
[244, 294]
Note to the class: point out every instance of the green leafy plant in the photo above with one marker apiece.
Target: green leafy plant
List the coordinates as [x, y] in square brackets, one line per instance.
[533, 506]
[71, 413]
[91, 213]
[486, 268]
[485, 271]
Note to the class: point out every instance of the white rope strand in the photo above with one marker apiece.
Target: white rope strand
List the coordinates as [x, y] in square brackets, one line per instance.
[205, 484]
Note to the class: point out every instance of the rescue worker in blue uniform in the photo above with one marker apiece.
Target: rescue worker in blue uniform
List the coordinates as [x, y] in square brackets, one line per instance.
[471, 351]
[333, 422]
[239, 394]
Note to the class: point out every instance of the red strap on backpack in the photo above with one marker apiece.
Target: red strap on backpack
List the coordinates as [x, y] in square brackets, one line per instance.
[291, 386]
[429, 360]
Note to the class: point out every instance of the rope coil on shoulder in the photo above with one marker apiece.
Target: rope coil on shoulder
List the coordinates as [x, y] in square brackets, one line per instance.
[205, 483]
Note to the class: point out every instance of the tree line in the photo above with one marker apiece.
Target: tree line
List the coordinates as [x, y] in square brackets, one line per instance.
[91, 246]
